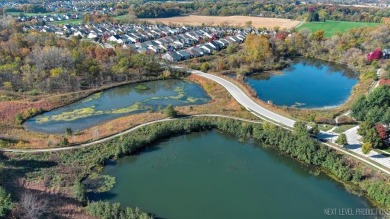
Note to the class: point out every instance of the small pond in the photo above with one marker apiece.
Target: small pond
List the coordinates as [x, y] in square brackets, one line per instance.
[117, 102]
[306, 83]
[213, 175]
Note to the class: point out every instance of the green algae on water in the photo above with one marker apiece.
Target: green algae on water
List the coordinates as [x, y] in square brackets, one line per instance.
[141, 87]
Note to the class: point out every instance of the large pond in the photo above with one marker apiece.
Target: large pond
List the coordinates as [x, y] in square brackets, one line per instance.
[117, 102]
[306, 83]
[212, 175]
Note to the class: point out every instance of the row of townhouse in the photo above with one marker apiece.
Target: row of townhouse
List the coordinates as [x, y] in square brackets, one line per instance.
[50, 18]
[173, 43]
[203, 49]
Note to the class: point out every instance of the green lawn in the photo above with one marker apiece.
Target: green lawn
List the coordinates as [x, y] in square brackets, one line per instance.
[325, 127]
[342, 128]
[122, 17]
[71, 21]
[332, 27]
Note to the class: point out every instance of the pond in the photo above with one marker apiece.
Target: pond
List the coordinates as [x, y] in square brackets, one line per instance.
[213, 175]
[117, 102]
[306, 83]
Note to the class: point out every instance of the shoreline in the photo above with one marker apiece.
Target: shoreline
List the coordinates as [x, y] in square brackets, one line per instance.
[348, 186]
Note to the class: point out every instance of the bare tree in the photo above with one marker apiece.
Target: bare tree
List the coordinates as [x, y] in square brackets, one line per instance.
[32, 207]
[47, 58]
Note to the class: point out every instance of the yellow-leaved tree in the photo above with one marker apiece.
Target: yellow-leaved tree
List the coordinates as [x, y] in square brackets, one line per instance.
[257, 48]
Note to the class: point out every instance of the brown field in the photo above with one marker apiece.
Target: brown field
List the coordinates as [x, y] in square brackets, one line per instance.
[257, 22]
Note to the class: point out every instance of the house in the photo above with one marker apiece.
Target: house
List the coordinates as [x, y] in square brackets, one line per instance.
[142, 49]
[179, 43]
[184, 54]
[80, 33]
[115, 38]
[207, 48]
[59, 32]
[155, 49]
[384, 82]
[386, 53]
[241, 37]
[172, 56]
[92, 35]
[214, 45]
[193, 52]
[224, 42]
[151, 43]
[200, 51]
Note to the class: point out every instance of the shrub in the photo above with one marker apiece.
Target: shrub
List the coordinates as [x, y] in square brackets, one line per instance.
[106, 210]
[366, 147]
[5, 202]
[342, 139]
[19, 119]
[170, 111]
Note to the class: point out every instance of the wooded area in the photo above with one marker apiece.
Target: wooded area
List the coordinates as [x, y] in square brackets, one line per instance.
[42, 62]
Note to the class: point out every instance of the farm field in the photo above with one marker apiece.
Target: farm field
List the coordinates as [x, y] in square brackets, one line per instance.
[257, 22]
[333, 27]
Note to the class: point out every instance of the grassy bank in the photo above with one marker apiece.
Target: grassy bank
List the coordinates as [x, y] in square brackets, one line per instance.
[57, 172]
[333, 27]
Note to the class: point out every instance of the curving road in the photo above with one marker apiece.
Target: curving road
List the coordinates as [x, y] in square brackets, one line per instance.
[246, 101]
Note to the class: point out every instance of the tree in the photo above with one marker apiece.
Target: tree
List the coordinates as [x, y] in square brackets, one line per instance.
[323, 15]
[342, 139]
[232, 48]
[319, 35]
[79, 191]
[375, 55]
[248, 24]
[364, 127]
[205, 67]
[5, 202]
[68, 131]
[315, 130]
[32, 207]
[372, 136]
[257, 48]
[313, 15]
[63, 141]
[366, 147]
[381, 131]
[300, 129]
[170, 111]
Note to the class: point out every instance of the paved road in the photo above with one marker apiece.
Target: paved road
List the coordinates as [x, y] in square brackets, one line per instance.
[245, 101]
[354, 145]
